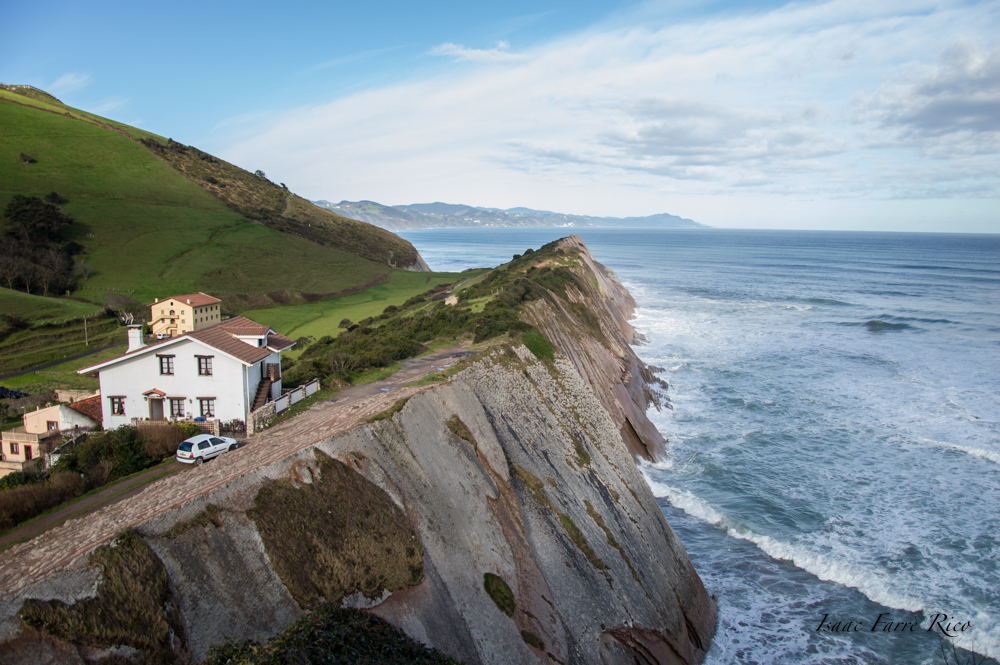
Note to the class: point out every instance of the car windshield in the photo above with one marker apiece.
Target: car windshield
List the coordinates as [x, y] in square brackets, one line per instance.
[186, 446]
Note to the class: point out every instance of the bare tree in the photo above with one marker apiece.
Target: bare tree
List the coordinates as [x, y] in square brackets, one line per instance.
[82, 270]
[9, 269]
[125, 307]
[28, 273]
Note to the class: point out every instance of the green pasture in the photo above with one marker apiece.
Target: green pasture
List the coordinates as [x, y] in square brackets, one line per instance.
[64, 375]
[37, 308]
[321, 318]
[144, 225]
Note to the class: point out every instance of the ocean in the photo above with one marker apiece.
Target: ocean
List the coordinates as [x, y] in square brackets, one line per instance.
[835, 433]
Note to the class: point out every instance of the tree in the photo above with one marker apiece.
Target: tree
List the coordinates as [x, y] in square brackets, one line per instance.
[10, 262]
[82, 270]
[53, 198]
[345, 323]
[125, 307]
[34, 221]
[260, 174]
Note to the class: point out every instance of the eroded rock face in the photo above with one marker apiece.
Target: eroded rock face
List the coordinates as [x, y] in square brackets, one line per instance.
[545, 496]
[540, 541]
[599, 349]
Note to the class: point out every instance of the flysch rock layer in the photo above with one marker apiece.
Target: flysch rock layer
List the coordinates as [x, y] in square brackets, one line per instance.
[608, 363]
[545, 496]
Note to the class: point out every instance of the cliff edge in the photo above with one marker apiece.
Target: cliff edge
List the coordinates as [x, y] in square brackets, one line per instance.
[497, 517]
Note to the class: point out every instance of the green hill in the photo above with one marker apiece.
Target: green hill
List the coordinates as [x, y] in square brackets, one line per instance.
[158, 217]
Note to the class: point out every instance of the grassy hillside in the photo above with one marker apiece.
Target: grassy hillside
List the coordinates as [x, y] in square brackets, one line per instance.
[322, 318]
[151, 220]
[36, 308]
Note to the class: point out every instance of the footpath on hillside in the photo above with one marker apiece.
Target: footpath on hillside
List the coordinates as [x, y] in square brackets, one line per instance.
[57, 548]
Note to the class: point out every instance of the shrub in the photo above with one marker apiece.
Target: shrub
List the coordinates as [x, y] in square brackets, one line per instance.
[211, 180]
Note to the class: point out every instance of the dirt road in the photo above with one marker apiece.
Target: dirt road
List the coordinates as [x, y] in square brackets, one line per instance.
[61, 546]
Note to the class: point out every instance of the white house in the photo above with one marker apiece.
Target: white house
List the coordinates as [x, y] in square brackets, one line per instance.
[221, 372]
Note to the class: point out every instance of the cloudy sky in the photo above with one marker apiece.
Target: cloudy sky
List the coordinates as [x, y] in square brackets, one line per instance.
[847, 114]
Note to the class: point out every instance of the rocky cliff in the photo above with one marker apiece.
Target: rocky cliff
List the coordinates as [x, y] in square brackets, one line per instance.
[498, 517]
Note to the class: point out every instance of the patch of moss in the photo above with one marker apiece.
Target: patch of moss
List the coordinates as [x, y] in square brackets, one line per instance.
[532, 640]
[390, 412]
[211, 515]
[636, 497]
[534, 485]
[500, 593]
[332, 636]
[596, 516]
[538, 344]
[582, 456]
[133, 606]
[337, 535]
[461, 430]
[581, 542]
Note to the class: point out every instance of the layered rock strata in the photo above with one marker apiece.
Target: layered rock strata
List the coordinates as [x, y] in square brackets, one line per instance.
[498, 517]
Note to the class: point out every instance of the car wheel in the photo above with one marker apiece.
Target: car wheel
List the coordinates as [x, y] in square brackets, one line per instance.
[232, 447]
[198, 461]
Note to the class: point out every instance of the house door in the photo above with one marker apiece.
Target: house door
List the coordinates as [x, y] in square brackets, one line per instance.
[156, 409]
[27, 452]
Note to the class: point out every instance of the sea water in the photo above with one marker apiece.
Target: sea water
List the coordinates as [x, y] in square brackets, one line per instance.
[834, 440]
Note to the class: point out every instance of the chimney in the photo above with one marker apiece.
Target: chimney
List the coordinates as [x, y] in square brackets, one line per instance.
[135, 339]
[189, 301]
[156, 300]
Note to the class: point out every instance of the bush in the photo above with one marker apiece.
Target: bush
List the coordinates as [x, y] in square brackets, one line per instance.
[106, 456]
[22, 503]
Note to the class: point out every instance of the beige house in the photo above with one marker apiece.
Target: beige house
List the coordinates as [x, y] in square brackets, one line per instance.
[178, 315]
[43, 430]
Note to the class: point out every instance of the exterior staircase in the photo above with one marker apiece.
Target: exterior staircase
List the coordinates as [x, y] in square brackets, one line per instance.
[263, 392]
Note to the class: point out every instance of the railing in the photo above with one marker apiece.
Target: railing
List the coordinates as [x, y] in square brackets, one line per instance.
[256, 420]
[53, 457]
[18, 435]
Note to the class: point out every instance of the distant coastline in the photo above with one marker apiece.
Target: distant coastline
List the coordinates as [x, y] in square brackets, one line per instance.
[447, 215]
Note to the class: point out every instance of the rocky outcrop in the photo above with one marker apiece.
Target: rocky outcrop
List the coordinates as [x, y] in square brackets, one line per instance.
[596, 338]
[498, 517]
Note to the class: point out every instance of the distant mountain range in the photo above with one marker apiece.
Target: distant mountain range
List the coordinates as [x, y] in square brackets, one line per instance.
[447, 215]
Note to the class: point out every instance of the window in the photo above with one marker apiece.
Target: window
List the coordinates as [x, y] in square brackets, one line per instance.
[13, 449]
[176, 407]
[118, 406]
[207, 407]
[166, 364]
[205, 365]
[51, 425]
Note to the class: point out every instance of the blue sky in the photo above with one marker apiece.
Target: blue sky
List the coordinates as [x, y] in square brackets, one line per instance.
[844, 114]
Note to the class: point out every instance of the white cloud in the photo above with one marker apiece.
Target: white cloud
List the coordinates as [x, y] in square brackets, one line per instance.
[499, 54]
[945, 110]
[68, 83]
[833, 101]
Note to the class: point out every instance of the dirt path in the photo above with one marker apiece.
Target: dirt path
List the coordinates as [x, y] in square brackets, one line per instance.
[62, 547]
[108, 495]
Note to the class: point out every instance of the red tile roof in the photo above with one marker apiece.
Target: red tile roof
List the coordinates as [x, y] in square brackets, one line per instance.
[90, 407]
[219, 338]
[241, 325]
[197, 299]
[279, 342]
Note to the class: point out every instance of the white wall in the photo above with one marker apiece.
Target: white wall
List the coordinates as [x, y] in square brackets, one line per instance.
[132, 377]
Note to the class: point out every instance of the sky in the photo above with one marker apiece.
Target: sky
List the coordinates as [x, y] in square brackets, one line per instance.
[839, 114]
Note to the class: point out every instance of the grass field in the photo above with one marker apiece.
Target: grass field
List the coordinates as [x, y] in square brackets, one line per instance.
[24, 349]
[64, 375]
[36, 308]
[321, 318]
[145, 226]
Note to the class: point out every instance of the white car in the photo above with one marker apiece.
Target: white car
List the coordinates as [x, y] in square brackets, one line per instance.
[199, 448]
